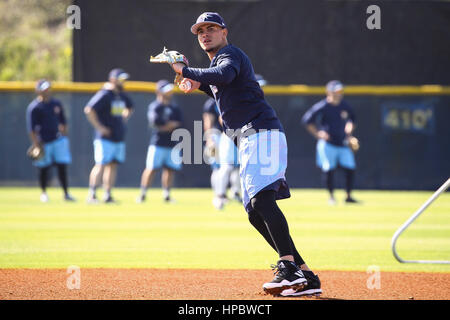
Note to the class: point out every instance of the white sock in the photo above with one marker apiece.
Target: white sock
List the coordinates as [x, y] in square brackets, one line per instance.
[223, 178]
[235, 181]
[214, 176]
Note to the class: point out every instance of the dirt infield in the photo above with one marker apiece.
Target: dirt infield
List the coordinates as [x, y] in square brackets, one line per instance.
[210, 285]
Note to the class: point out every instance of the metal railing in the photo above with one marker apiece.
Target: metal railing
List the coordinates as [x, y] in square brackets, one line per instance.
[400, 230]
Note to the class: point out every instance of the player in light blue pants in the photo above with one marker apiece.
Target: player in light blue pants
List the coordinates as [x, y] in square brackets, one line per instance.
[47, 127]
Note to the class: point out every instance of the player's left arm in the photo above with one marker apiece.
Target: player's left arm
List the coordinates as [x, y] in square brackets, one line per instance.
[62, 123]
[349, 128]
[224, 73]
[128, 111]
[350, 125]
[126, 114]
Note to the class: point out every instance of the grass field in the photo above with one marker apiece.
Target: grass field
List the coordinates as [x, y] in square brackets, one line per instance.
[192, 234]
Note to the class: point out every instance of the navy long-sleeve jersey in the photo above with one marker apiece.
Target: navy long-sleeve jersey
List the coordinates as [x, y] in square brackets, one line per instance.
[158, 115]
[230, 79]
[331, 119]
[43, 118]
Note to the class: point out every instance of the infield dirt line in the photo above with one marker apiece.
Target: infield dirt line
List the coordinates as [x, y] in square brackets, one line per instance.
[207, 284]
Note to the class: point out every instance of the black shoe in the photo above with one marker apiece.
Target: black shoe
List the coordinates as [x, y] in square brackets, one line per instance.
[168, 199]
[109, 200]
[68, 197]
[237, 197]
[351, 200]
[287, 276]
[312, 288]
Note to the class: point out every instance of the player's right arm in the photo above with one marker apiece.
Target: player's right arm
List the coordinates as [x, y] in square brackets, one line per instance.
[34, 138]
[309, 119]
[92, 117]
[91, 114]
[32, 122]
[157, 120]
[318, 134]
[208, 124]
[169, 126]
[208, 121]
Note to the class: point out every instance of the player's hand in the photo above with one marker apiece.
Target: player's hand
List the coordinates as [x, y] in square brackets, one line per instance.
[323, 135]
[104, 131]
[210, 143]
[178, 67]
[62, 129]
[188, 85]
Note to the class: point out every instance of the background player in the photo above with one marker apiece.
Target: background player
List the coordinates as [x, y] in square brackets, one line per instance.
[225, 162]
[164, 117]
[245, 113]
[212, 130]
[331, 122]
[107, 111]
[47, 128]
[222, 156]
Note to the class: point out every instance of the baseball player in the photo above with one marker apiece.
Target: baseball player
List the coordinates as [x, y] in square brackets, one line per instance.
[164, 117]
[108, 111]
[331, 122]
[254, 126]
[222, 156]
[47, 128]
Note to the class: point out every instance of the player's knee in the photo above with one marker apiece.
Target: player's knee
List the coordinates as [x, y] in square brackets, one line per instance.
[263, 200]
[253, 217]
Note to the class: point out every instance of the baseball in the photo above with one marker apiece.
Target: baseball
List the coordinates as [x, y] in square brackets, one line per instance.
[186, 86]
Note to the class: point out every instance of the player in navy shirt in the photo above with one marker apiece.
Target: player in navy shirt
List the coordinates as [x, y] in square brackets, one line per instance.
[164, 117]
[107, 111]
[331, 122]
[221, 154]
[47, 127]
[246, 115]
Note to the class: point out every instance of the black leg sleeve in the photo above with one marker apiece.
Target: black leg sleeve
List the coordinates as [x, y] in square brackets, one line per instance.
[258, 223]
[62, 175]
[43, 177]
[349, 178]
[265, 205]
[329, 180]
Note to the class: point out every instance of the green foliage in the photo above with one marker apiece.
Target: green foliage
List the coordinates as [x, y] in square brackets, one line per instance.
[34, 40]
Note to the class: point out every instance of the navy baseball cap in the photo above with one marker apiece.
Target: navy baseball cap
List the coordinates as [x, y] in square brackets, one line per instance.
[208, 17]
[334, 85]
[42, 85]
[118, 73]
[164, 86]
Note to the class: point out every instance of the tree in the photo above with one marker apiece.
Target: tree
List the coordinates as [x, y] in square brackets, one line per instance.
[34, 40]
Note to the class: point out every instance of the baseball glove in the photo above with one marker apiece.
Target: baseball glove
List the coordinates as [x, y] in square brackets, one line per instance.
[35, 152]
[353, 143]
[210, 151]
[171, 57]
